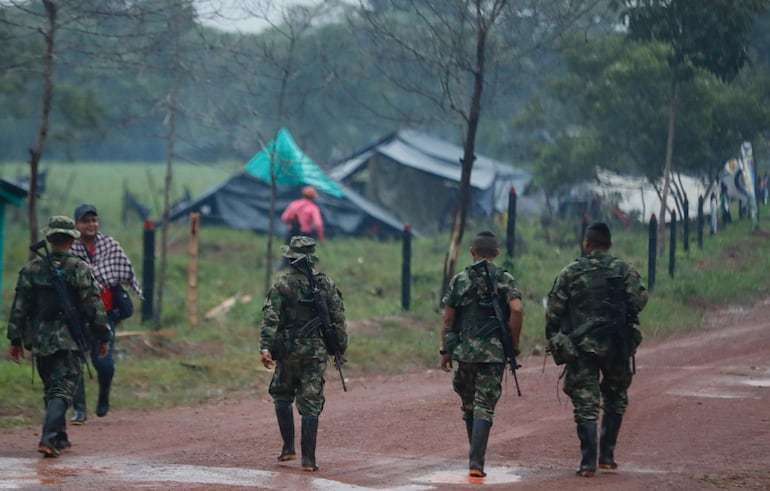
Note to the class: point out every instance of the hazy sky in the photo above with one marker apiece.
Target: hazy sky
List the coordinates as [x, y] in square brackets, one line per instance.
[233, 14]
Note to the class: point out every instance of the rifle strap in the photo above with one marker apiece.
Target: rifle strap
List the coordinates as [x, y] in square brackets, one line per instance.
[310, 329]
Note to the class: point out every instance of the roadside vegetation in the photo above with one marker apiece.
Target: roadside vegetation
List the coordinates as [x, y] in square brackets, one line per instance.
[177, 364]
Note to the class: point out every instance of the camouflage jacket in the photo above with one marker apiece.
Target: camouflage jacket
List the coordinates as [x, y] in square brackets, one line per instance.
[467, 293]
[36, 317]
[573, 302]
[289, 308]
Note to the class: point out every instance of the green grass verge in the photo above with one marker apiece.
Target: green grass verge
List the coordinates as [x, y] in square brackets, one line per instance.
[175, 363]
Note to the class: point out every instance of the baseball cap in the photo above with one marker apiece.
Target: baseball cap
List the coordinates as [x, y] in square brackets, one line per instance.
[81, 211]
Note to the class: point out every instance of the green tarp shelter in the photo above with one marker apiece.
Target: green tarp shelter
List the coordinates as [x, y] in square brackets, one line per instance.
[291, 166]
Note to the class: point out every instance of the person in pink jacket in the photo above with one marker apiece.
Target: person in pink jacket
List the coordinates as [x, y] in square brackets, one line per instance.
[303, 217]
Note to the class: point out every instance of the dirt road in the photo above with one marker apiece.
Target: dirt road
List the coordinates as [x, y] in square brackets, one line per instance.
[699, 418]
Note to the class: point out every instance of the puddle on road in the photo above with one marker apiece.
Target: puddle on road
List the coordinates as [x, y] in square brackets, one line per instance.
[32, 473]
[712, 394]
[18, 473]
[725, 387]
[495, 475]
[757, 383]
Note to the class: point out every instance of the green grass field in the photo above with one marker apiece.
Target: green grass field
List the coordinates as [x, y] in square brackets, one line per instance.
[178, 363]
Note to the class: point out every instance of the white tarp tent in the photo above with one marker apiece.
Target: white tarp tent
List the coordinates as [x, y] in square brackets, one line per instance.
[636, 197]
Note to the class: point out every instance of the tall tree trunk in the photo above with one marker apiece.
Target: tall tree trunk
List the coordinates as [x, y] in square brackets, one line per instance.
[170, 142]
[36, 152]
[271, 219]
[469, 156]
[273, 177]
[669, 156]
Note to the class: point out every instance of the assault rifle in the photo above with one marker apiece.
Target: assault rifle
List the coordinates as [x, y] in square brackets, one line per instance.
[503, 329]
[328, 332]
[71, 316]
[624, 319]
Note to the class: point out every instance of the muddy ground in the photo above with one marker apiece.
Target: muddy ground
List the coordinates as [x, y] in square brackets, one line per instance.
[699, 418]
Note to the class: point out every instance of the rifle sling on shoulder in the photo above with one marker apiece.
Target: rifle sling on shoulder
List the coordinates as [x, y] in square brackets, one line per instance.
[70, 313]
[328, 333]
[503, 329]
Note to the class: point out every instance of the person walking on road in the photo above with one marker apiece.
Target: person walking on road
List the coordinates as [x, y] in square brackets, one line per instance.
[592, 308]
[291, 341]
[40, 322]
[111, 267]
[478, 351]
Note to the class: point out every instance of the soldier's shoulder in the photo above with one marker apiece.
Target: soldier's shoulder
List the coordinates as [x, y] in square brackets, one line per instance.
[33, 266]
[620, 265]
[71, 261]
[463, 275]
[576, 266]
[458, 281]
[321, 276]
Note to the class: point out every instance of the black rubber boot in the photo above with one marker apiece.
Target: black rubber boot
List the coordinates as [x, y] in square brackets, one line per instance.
[309, 435]
[103, 404]
[79, 403]
[468, 417]
[62, 442]
[479, 441]
[285, 418]
[586, 431]
[609, 436]
[54, 424]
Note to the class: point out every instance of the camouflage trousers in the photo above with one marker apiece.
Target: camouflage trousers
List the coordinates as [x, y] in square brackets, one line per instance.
[60, 373]
[591, 381]
[300, 380]
[479, 386]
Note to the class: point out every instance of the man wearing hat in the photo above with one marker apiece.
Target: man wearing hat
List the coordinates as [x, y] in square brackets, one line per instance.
[38, 323]
[303, 217]
[289, 342]
[111, 267]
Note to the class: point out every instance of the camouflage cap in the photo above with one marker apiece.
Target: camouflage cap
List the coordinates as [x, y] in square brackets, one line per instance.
[299, 245]
[61, 225]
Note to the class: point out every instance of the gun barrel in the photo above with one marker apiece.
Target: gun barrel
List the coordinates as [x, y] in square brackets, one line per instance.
[37, 246]
[338, 361]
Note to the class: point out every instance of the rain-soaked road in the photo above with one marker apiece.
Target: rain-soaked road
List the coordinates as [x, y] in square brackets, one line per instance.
[698, 419]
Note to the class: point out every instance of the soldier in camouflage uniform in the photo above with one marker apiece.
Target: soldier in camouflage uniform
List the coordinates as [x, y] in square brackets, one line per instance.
[594, 301]
[37, 323]
[297, 351]
[480, 358]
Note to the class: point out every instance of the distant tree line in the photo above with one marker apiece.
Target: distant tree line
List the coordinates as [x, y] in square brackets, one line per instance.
[598, 93]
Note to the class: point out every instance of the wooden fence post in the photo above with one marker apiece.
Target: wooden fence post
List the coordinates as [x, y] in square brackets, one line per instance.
[148, 270]
[510, 233]
[686, 225]
[406, 267]
[192, 270]
[700, 222]
[652, 254]
[583, 227]
[672, 245]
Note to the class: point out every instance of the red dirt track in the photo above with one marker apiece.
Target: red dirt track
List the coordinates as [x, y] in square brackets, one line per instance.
[699, 418]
